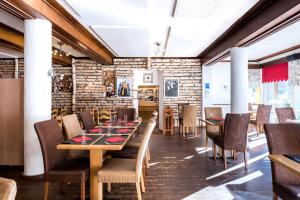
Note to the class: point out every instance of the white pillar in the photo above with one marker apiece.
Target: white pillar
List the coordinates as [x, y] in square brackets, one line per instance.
[239, 80]
[16, 68]
[37, 89]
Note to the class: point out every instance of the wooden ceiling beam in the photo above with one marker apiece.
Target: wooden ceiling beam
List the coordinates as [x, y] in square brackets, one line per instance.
[65, 27]
[262, 20]
[15, 40]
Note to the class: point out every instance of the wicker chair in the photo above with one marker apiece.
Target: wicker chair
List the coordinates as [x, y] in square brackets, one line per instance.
[8, 189]
[72, 129]
[284, 139]
[285, 113]
[87, 120]
[131, 148]
[262, 117]
[120, 170]
[130, 112]
[56, 166]
[189, 119]
[235, 135]
[212, 131]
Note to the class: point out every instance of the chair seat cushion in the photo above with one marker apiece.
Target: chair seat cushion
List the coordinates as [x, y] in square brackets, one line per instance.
[118, 170]
[291, 192]
[8, 189]
[70, 170]
[212, 135]
[219, 140]
[253, 121]
[133, 143]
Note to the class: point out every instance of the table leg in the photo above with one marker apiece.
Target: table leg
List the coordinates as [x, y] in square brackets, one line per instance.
[96, 157]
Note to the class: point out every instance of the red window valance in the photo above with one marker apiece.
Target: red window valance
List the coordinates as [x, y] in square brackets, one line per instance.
[275, 73]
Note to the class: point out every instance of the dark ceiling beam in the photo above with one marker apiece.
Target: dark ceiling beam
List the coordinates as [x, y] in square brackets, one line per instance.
[64, 25]
[14, 39]
[263, 19]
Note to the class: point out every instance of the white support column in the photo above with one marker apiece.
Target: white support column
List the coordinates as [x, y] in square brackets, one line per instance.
[239, 80]
[16, 67]
[37, 89]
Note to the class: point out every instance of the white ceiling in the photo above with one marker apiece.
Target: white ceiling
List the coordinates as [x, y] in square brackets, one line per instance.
[281, 40]
[132, 27]
[278, 41]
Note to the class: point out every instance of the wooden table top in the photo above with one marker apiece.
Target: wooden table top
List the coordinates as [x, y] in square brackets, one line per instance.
[296, 121]
[121, 124]
[286, 162]
[99, 140]
[214, 122]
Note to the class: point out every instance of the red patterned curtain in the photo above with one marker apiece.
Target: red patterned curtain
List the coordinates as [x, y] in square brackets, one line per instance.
[275, 73]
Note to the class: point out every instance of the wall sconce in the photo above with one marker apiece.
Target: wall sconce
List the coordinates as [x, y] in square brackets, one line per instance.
[226, 88]
[51, 72]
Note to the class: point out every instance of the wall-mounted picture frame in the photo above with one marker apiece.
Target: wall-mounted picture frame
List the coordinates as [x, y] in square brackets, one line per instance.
[124, 87]
[148, 78]
[171, 87]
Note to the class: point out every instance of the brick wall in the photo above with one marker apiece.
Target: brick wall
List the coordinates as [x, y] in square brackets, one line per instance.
[7, 70]
[89, 81]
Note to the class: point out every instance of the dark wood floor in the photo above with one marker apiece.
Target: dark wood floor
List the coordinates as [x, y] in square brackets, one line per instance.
[180, 168]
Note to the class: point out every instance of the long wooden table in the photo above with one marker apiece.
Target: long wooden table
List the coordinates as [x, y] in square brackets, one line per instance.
[96, 144]
[286, 162]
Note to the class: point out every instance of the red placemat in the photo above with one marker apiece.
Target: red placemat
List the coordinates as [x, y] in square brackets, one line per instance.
[82, 138]
[130, 124]
[96, 130]
[217, 118]
[115, 139]
[125, 130]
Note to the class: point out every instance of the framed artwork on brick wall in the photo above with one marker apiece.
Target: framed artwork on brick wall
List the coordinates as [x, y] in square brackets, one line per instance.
[148, 78]
[171, 87]
[124, 87]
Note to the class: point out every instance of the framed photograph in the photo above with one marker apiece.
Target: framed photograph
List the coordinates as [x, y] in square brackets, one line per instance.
[123, 87]
[148, 77]
[171, 87]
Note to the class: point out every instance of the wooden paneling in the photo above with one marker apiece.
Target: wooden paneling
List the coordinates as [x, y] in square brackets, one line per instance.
[65, 27]
[13, 39]
[11, 122]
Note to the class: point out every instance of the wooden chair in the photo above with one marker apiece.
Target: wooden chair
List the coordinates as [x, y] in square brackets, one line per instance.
[262, 117]
[168, 120]
[72, 129]
[121, 170]
[8, 189]
[189, 119]
[104, 114]
[235, 136]
[211, 130]
[87, 120]
[180, 115]
[130, 150]
[284, 139]
[285, 113]
[130, 112]
[57, 167]
[54, 113]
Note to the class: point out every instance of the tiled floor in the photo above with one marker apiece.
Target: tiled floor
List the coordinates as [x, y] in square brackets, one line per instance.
[180, 169]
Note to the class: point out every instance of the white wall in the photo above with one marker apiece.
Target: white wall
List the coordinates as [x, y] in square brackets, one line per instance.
[218, 77]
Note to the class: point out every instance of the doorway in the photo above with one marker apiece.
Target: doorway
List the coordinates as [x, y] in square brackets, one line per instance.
[148, 101]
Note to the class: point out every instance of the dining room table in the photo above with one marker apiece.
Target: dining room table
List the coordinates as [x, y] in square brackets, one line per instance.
[215, 121]
[110, 135]
[295, 121]
[286, 162]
